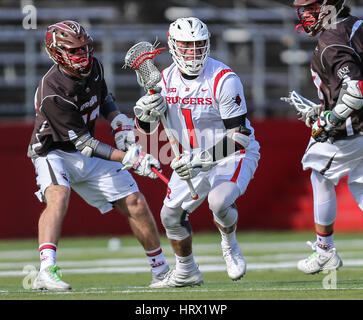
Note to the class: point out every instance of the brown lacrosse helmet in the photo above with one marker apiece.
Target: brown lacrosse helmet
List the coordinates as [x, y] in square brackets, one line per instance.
[71, 47]
[322, 11]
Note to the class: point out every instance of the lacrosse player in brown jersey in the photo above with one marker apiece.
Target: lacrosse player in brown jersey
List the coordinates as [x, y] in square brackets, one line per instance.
[66, 155]
[336, 147]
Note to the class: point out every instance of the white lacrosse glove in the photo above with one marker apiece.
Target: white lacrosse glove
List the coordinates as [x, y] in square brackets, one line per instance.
[123, 130]
[150, 106]
[190, 164]
[307, 110]
[141, 162]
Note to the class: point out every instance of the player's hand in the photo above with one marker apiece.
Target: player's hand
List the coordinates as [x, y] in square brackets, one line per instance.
[141, 162]
[123, 130]
[150, 106]
[322, 126]
[190, 164]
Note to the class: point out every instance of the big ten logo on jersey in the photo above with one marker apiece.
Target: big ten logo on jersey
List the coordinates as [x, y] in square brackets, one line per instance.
[171, 90]
[89, 112]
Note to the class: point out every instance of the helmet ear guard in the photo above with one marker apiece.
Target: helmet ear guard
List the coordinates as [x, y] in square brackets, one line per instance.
[189, 30]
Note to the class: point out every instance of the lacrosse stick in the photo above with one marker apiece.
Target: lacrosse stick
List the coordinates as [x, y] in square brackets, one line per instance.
[160, 175]
[140, 58]
[307, 110]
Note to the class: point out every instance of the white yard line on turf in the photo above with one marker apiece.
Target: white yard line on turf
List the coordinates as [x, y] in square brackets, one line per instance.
[203, 268]
[291, 246]
[169, 290]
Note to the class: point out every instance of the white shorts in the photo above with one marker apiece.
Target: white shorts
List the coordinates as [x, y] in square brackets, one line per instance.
[238, 168]
[335, 160]
[99, 182]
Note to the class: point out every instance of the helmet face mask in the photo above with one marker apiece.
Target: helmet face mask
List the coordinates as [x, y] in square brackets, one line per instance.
[189, 45]
[314, 15]
[69, 45]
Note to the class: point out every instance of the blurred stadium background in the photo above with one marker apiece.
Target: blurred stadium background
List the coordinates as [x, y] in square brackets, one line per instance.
[256, 38]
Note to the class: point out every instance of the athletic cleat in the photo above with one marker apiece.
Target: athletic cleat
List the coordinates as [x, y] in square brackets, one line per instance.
[158, 277]
[174, 279]
[236, 264]
[49, 279]
[317, 262]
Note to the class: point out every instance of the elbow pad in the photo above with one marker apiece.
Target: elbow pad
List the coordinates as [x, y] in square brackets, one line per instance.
[91, 147]
[350, 99]
[240, 136]
[86, 144]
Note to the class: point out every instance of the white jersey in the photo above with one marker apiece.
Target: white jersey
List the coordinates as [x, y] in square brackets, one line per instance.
[197, 108]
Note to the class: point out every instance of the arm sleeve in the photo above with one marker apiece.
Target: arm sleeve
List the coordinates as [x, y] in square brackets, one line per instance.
[107, 104]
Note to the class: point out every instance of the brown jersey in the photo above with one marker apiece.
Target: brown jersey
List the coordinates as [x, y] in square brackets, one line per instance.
[339, 55]
[66, 108]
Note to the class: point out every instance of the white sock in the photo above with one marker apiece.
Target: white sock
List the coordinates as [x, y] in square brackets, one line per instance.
[157, 260]
[186, 264]
[228, 239]
[324, 242]
[47, 252]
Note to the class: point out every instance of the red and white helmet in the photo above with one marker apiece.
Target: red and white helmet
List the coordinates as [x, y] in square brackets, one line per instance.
[189, 30]
[70, 46]
[324, 12]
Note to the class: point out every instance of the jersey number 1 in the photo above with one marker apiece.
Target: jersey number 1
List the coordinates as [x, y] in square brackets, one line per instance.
[187, 114]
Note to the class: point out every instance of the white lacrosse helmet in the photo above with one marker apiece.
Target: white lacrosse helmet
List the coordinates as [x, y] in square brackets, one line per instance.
[189, 30]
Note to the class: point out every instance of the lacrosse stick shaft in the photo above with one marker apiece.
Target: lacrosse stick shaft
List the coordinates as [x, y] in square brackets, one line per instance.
[317, 132]
[160, 175]
[176, 152]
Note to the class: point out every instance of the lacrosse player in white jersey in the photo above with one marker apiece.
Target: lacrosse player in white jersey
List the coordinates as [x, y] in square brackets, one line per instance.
[205, 109]
[336, 147]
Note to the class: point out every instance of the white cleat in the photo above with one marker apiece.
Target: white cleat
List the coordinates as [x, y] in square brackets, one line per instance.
[174, 279]
[236, 264]
[317, 262]
[158, 277]
[49, 279]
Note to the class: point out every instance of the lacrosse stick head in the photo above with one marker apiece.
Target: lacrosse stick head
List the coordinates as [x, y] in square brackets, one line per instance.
[140, 58]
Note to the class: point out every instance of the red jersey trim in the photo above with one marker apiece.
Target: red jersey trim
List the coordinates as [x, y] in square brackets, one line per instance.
[216, 80]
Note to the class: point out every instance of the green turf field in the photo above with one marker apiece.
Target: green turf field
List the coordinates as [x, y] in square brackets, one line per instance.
[99, 270]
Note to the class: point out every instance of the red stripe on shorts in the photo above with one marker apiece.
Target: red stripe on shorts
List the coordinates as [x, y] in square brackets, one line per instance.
[236, 173]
